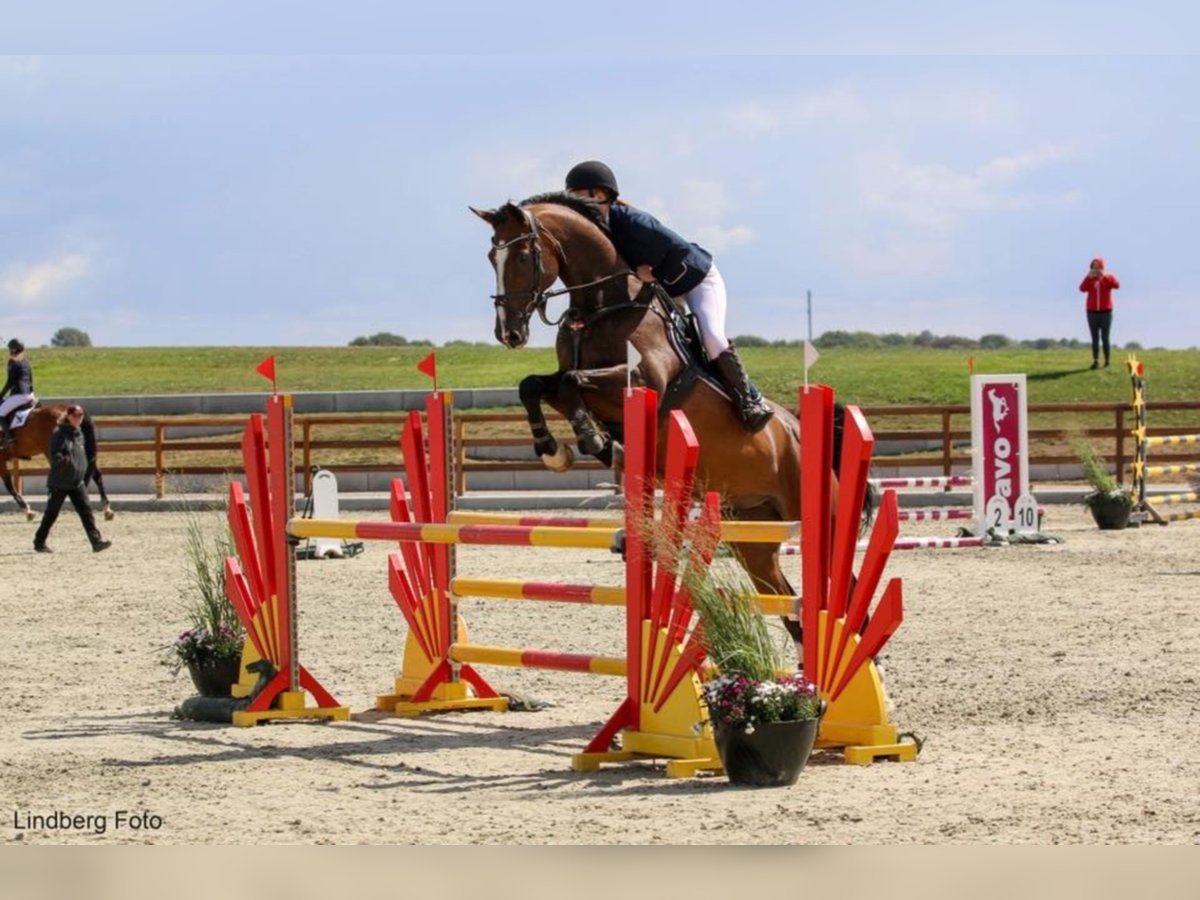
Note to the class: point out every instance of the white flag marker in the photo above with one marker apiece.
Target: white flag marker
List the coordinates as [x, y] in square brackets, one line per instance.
[632, 358]
[810, 356]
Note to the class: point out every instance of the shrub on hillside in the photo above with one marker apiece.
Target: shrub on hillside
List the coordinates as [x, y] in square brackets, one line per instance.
[70, 337]
[387, 339]
[860, 339]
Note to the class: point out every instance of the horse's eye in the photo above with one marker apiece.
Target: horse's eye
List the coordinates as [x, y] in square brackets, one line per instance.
[524, 255]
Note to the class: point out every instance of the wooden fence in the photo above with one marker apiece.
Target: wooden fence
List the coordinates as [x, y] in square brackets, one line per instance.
[1054, 428]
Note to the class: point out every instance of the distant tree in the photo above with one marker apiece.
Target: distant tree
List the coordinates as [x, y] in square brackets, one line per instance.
[994, 342]
[860, 339]
[70, 337]
[1133, 345]
[954, 342]
[893, 339]
[924, 339]
[833, 339]
[385, 339]
[750, 340]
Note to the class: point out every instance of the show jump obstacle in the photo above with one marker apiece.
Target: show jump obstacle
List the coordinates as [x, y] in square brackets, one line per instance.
[1140, 469]
[662, 714]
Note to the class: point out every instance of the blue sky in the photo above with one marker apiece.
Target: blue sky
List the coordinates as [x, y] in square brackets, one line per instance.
[256, 175]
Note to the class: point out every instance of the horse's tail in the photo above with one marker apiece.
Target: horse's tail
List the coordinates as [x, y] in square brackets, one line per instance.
[88, 430]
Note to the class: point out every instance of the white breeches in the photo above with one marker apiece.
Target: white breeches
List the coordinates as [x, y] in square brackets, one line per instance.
[707, 303]
[14, 401]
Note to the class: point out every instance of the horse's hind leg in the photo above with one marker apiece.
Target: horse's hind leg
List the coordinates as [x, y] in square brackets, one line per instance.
[94, 474]
[30, 515]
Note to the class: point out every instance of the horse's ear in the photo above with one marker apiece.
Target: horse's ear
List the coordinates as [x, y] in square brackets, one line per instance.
[488, 215]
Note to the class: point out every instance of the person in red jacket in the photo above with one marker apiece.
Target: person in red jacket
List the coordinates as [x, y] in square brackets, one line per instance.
[1099, 285]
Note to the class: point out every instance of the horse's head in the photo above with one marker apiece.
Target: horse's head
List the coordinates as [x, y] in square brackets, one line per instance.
[524, 270]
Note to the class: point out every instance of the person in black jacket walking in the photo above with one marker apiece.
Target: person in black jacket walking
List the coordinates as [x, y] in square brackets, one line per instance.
[68, 467]
[684, 269]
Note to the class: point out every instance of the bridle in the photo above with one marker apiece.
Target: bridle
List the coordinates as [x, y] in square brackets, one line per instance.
[537, 296]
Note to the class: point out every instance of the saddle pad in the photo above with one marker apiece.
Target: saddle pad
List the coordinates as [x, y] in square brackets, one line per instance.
[686, 343]
[19, 418]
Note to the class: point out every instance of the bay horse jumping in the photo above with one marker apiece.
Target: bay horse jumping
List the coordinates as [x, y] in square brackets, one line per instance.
[557, 236]
[33, 439]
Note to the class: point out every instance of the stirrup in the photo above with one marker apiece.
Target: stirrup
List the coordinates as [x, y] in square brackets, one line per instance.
[754, 414]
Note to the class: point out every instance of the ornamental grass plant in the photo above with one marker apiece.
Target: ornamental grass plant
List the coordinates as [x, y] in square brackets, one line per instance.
[214, 632]
[1105, 488]
[751, 687]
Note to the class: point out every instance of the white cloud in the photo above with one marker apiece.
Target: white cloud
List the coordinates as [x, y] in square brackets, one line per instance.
[19, 65]
[913, 213]
[33, 284]
[835, 105]
[934, 194]
[718, 239]
[696, 212]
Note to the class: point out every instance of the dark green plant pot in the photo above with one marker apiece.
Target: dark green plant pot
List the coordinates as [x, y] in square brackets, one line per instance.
[215, 677]
[771, 755]
[1111, 513]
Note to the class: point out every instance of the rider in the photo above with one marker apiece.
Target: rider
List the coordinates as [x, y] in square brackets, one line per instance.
[18, 388]
[684, 269]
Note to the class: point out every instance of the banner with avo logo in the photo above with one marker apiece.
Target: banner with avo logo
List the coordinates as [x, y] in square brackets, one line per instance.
[1000, 445]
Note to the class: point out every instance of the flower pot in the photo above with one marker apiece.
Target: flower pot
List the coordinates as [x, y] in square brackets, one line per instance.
[215, 676]
[1111, 513]
[771, 755]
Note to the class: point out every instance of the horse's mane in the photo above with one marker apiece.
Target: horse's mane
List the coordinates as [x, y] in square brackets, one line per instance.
[589, 209]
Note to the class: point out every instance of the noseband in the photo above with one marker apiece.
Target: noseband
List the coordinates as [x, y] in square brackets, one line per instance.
[537, 296]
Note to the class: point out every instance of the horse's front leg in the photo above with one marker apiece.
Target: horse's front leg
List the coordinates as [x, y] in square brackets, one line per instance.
[606, 383]
[535, 390]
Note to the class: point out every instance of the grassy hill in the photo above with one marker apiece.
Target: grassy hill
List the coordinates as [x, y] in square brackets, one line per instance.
[886, 376]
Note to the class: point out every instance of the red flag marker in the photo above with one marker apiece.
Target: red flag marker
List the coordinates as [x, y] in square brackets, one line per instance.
[429, 367]
[266, 369]
[971, 364]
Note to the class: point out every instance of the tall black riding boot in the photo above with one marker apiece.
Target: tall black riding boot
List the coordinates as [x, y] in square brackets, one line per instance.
[6, 439]
[751, 407]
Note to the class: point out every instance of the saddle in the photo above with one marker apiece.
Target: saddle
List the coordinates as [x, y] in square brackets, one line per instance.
[683, 332]
[17, 417]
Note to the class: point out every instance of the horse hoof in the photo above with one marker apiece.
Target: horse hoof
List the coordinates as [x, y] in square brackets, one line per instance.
[559, 461]
[109, 515]
[30, 515]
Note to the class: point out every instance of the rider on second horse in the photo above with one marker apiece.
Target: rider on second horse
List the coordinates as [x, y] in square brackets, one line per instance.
[17, 390]
[684, 269]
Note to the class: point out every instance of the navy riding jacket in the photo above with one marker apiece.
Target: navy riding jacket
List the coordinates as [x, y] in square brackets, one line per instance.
[20, 378]
[643, 240]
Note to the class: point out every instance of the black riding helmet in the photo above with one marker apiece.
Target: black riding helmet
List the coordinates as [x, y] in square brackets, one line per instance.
[592, 174]
[15, 346]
